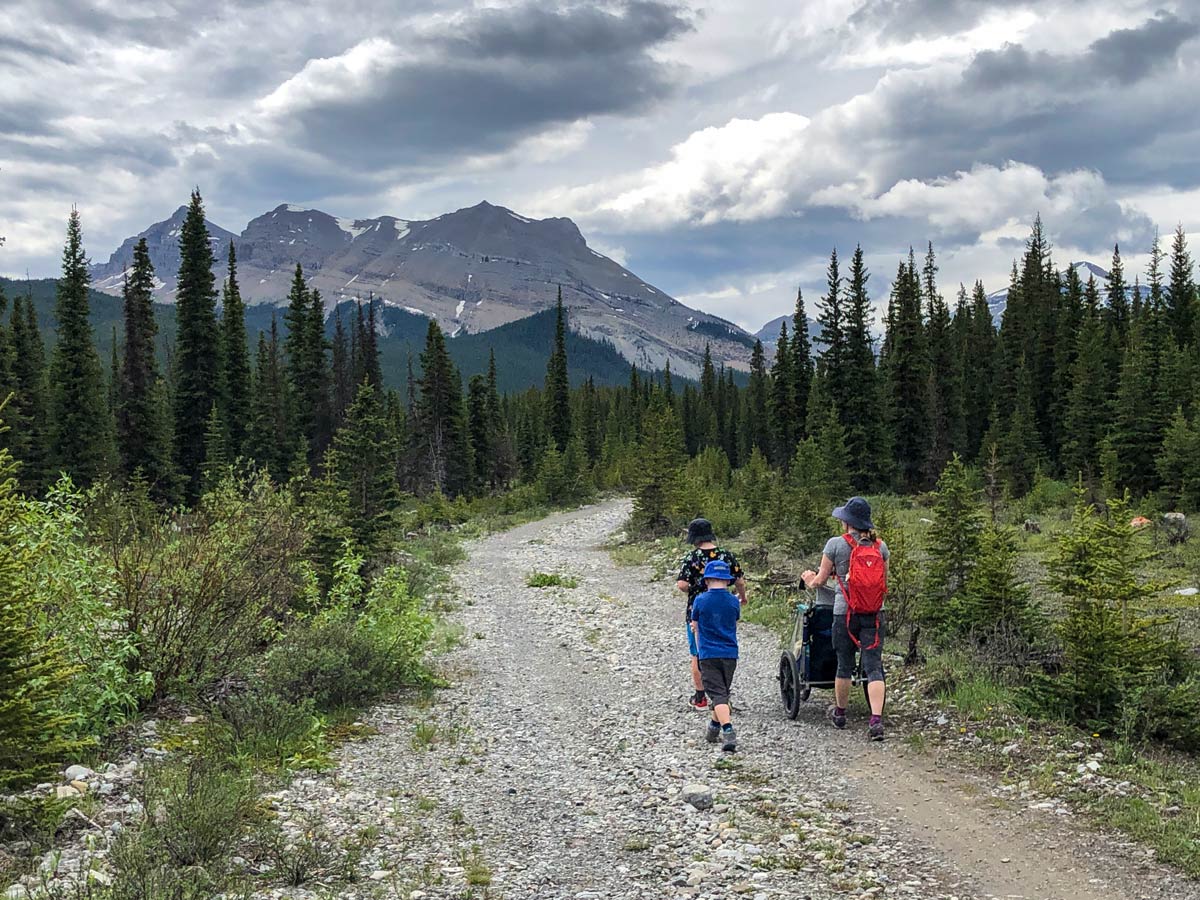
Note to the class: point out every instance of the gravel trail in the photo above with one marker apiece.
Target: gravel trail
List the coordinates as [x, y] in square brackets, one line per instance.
[553, 766]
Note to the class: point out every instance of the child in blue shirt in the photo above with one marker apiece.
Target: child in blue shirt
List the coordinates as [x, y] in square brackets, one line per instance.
[715, 615]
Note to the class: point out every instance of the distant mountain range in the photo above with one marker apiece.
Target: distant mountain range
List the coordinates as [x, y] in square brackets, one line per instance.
[520, 346]
[769, 333]
[998, 300]
[473, 270]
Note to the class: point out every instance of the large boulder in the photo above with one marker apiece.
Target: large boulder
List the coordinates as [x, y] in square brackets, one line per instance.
[1175, 526]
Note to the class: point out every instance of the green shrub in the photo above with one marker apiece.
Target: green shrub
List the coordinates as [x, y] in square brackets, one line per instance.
[550, 579]
[267, 728]
[197, 810]
[204, 591]
[34, 675]
[332, 663]
[1117, 662]
[368, 641]
[1047, 495]
[74, 593]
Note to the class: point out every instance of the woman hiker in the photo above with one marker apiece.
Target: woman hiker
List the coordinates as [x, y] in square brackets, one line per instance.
[858, 560]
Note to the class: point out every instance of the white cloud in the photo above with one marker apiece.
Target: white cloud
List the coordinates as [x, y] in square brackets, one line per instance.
[878, 49]
[333, 78]
[738, 171]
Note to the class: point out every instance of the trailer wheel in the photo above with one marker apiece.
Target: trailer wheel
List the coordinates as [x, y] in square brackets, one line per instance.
[789, 684]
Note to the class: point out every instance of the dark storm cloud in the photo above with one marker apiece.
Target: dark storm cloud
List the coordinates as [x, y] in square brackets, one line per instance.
[1125, 57]
[540, 33]
[1102, 108]
[501, 75]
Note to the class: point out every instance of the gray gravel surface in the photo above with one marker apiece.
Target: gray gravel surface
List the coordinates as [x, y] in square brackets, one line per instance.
[563, 762]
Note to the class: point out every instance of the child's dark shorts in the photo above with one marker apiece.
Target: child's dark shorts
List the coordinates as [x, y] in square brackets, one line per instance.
[871, 640]
[717, 676]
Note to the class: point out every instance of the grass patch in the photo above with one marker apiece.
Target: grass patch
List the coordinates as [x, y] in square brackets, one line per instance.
[637, 844]
[771, 607]
[551, 579]
[1175, 837]
[427, 735]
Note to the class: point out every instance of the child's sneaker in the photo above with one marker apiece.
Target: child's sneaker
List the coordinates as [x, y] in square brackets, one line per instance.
[699, 700]
[728, 739]
[713, 733]
[837, 716]
[875, 729]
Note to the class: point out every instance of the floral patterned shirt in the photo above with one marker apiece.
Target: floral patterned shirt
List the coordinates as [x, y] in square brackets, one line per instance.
[691, 570]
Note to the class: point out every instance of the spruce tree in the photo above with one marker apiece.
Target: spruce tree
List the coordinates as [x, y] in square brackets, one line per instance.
[834, 338]
[7, 378]
[858, 407]
[268, 442]
[343, 371]
[34, 674]
[782, 402]
[371, 365]
[979, 364]
[1118, 300]
[217, 459]
[661, 458]
[994, 605]
[297, 354]
[197, 347]
[907, 377]
[320, 379]
[1178, 463]
[940, 388]
[1019, 445]
[440, 430]
[589, 419]
[1181, 297]
[1135, 434]
[81, 437]
[479, 431]
[28, 410]
[732, 419]
[955, 539]
[143, 418]
[235, 358]
[1086, 419]
[362, 461]
[758, 425]
[558, 387]
[802, 364]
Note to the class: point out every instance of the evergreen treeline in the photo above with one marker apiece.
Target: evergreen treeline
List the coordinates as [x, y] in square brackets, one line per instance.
[1080, 379]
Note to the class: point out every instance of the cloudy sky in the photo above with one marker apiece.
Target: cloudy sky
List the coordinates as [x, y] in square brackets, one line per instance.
[720, 149]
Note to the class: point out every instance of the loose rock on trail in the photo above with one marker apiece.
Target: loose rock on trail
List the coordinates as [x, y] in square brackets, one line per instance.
[563, 762]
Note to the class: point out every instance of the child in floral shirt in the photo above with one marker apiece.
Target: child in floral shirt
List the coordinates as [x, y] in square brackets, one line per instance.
[690, 581]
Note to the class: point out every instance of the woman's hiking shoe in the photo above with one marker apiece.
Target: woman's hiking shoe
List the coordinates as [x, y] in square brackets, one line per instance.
[699, 701]
[837, 717]
[713, 733]
[875, 729]
[729, 740]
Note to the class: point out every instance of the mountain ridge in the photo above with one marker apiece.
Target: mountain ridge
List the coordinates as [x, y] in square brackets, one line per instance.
[473, 269]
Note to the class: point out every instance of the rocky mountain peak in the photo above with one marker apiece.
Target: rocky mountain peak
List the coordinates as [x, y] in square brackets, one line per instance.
[473, 269]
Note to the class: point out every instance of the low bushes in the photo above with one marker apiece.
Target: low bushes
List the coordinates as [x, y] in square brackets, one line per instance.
[203, 591]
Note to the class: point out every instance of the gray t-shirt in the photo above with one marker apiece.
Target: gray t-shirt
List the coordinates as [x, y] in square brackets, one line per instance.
[838, 552]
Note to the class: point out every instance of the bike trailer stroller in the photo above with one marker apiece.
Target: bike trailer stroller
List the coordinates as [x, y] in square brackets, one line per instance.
[809, 660]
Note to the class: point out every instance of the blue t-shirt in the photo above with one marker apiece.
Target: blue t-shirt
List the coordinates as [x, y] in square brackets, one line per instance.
[716, 615]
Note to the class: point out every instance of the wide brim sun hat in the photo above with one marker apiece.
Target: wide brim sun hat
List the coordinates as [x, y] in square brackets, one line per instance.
[719, 569]
[700, 531]
[856, 513]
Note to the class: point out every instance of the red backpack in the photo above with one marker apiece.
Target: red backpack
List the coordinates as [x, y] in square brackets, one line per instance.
[865, 586]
